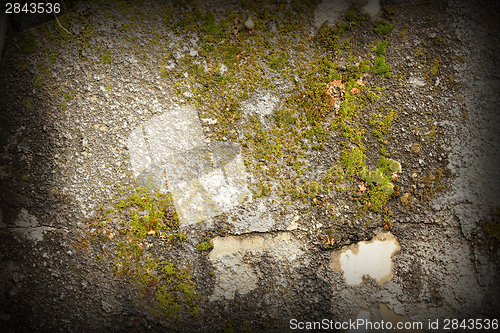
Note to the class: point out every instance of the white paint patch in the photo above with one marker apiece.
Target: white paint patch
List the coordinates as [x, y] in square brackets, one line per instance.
[205, 180]
[363, 316]
[372, 8]
[235, 260]
[372, 259]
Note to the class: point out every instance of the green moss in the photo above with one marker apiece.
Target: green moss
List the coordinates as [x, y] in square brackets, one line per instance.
[205, 246]
[334, 175]
[38, 83]
[286, 116]
[379, 195]
[352, 161]
[354, 16]
[163, 287]
[380, 67]
[228, 328]
[28, 103]
[64, 106]
[382, 27]
[69, 95]
[278, 61]
[262, 190]
[105, 56]
[381, 47]
[390, 10]
[28, 44]
[382, 124]
[246, 325]
[126, 27]
[53, 57]
[314, 189]
[434, 68]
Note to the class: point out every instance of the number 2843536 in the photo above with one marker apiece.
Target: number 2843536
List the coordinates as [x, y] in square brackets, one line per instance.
[32, 8]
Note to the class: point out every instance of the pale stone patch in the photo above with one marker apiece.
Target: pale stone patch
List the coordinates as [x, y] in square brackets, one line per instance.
[372, 259]
[372, 8]
[416, 81]
[170, 153]
[331, 12]
[234, 259]
[28, 226]
[137, 143]
[262, 105]
[26, 220]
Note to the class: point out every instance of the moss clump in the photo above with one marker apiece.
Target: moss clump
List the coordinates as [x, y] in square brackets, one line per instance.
[278, 62]
[352, 161]
[334, 175]
[380, 67]
[382, 27]
[105, 56]
[159, 218]
[382, 124]
[353, 16]
[381, 47]
[205, 246]
[314, 189]
[53, 57]
[69, 95]
[38, 83]
[434, 68]
[165, 288]
[379, 180]
[29, 44]
[263, 190]
[286, 117]
[178, 293]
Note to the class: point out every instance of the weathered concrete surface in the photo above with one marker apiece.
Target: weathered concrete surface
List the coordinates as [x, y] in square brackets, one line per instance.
[126, 126]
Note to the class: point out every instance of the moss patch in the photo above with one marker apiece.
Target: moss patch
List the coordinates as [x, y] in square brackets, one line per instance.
[145, 217]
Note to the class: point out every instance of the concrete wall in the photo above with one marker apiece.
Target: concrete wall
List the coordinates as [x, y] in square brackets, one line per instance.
[3, 30]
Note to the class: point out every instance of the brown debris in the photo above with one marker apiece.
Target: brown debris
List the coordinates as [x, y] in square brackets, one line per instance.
[335, 89]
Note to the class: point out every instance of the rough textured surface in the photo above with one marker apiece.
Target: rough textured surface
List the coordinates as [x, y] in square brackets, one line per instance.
[258, 173]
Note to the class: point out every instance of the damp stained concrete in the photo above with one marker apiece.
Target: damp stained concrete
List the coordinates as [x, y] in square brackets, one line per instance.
[373, 258]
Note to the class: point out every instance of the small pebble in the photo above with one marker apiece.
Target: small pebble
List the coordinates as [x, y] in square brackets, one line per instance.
[249, 24]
